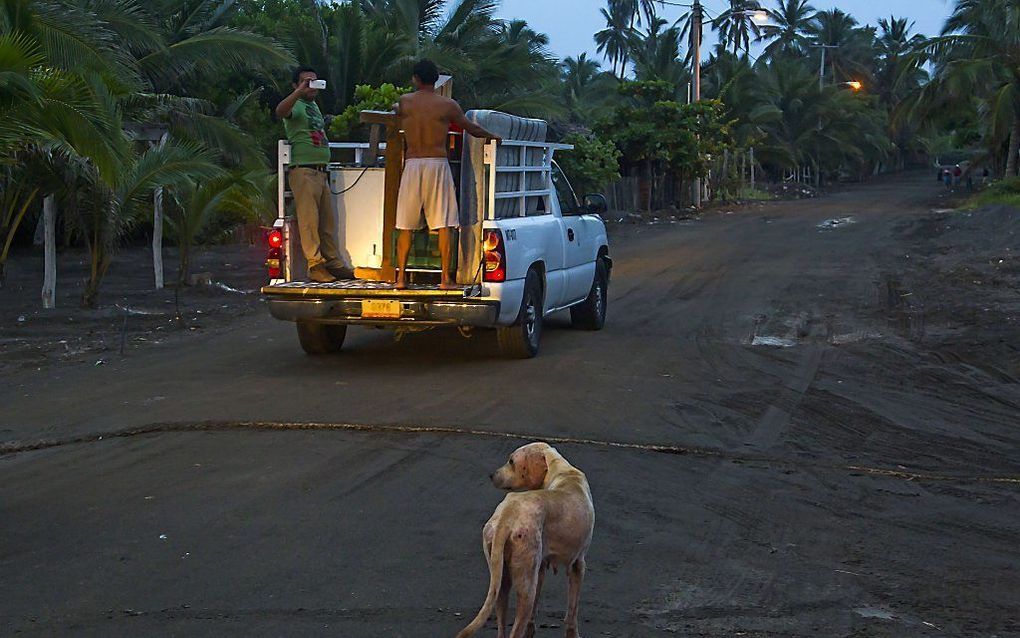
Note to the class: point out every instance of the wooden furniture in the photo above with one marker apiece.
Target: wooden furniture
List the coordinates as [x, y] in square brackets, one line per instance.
[389, 122]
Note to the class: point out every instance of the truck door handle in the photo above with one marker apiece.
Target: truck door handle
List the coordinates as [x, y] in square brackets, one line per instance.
[570, 234]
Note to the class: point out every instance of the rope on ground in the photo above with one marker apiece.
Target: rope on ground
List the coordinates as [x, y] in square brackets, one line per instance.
[16, 447]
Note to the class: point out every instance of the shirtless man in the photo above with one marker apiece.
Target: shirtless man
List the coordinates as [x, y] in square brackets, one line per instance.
[427, 181]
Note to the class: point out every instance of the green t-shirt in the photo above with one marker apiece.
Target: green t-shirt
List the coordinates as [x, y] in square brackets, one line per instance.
[306, 132]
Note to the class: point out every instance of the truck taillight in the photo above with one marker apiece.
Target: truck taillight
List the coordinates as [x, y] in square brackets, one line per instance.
[275, 256]
[495, 256]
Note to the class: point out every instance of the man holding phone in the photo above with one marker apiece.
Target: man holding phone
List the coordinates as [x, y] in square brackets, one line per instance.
[309, 177]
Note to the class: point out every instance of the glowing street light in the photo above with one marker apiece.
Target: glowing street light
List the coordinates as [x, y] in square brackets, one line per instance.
[855, 85]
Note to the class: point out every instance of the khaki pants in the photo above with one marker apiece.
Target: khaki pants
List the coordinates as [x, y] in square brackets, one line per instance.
[317, 221]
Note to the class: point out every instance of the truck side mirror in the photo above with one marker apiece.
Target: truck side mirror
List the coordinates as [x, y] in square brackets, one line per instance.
[595, 204]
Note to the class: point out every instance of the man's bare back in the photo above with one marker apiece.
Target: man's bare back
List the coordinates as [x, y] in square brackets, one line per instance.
[426, 120]
[426, 117]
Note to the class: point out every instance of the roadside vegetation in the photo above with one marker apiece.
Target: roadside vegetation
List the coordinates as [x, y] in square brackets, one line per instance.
[103, 103]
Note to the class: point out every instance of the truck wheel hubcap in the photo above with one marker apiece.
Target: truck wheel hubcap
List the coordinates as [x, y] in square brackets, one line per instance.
[530, 320]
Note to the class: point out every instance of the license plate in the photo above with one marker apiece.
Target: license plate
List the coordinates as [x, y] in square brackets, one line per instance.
[380, 309]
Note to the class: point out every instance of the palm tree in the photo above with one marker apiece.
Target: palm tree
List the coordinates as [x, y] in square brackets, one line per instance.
[850, 52]
[978, 54]
[195, 204]
[735, 25]
[495, 63]
[616, 39]
[639, 11]
[179, 45]
[511, 71]
[898, 75]
[587, 90]
[827, 128]
[788, 27]
[657, 56]
[733, 80]
[107, 203]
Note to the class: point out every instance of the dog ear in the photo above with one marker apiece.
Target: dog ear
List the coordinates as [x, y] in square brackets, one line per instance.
[541, 465]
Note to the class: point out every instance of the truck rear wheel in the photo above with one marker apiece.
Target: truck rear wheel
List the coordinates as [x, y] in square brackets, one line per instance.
[321, 338]
[590, 314]
[521, 340]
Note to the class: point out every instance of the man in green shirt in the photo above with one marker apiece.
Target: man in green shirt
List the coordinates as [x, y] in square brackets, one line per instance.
[309, 179]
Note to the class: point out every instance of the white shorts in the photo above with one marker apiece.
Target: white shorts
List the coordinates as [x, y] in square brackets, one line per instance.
[427, 183]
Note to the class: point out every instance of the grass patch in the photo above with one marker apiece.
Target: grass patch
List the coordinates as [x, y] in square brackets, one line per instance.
[754, 195]
[1006, 192]
[745, 194]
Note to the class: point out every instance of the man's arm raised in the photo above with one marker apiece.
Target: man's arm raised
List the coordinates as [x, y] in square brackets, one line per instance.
[461, 120]
[286, 106]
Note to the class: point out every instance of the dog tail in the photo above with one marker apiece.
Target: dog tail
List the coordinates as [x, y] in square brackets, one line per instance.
[495, 580]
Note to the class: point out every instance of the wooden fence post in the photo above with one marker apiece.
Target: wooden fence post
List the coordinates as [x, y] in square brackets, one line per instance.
[157, 228]
[751, 160]
[49, 289]
[157, 236]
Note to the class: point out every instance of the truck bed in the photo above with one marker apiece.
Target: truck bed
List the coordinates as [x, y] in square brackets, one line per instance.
[364, 288]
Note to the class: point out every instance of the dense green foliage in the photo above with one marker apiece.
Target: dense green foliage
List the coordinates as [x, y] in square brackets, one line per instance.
[1006, 191]
[347, 125]
[592, 165]
[650, 128]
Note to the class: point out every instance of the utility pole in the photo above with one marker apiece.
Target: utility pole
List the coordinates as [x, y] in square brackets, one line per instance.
[821, 86]
[821, 67]
[696, 59]
[697, 18]
[821, 70]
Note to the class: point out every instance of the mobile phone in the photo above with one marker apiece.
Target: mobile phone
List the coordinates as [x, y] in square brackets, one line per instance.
[317, 84]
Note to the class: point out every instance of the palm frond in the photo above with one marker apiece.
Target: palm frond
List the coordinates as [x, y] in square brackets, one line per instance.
[216, 52]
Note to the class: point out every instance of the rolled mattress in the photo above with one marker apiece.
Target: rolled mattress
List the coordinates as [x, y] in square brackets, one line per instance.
[511, 127]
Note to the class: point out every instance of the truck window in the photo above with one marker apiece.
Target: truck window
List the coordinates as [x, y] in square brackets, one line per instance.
[564, 192]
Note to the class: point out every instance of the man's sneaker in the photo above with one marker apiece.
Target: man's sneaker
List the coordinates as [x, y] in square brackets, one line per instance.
[320, 274]
[340, 271]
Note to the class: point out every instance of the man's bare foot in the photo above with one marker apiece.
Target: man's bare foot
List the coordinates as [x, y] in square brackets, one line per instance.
[401, 282]
[449, 285]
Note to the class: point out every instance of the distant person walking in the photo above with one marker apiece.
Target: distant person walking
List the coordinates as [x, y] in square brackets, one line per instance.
[947, 178]
[309, 179]
[957, 172]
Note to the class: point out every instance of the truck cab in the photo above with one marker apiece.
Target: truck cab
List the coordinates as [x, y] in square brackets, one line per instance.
[527, 246]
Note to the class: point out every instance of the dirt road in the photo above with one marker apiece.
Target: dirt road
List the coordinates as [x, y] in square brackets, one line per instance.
[837, 378]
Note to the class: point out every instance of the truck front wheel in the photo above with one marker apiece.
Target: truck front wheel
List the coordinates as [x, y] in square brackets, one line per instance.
[321, 338]
[521, 340]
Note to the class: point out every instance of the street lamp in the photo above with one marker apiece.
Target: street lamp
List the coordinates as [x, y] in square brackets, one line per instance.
[856, 85]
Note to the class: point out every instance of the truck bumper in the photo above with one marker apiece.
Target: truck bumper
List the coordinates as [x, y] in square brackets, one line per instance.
[412, 312]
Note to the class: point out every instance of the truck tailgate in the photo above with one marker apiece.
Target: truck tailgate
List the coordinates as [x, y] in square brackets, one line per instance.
[364, 288]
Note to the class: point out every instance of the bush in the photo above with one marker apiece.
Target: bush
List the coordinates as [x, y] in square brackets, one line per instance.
[1006, 191]
[592, 165]
[347, 125]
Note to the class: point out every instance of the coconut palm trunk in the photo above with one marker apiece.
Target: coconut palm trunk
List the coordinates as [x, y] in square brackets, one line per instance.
[1014, 148]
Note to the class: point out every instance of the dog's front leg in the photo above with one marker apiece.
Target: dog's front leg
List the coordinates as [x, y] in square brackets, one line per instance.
[575, 574]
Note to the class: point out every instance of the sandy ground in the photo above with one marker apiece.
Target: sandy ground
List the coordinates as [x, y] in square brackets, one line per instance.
[838, 378]
[132, 314]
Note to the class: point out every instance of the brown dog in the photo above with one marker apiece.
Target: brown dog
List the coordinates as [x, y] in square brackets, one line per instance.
[547, 519]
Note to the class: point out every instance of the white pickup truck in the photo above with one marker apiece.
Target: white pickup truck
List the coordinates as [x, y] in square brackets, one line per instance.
[526, 248]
